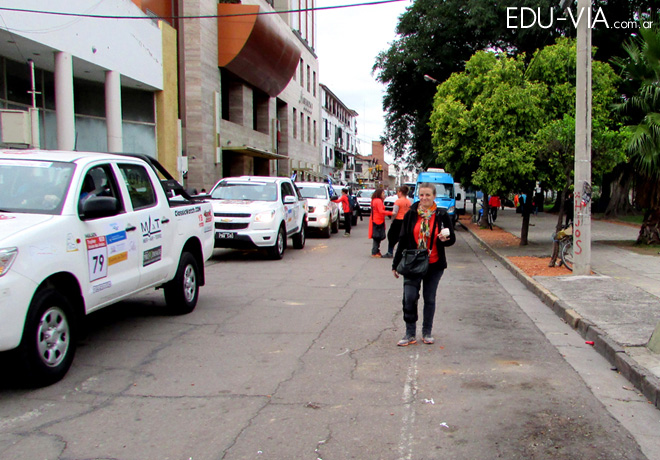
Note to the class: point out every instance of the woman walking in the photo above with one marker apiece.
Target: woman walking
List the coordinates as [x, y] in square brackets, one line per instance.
[425, 226]
[377, 221]
[401, 207]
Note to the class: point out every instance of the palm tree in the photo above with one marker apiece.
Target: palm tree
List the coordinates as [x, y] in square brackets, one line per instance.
[641, 69]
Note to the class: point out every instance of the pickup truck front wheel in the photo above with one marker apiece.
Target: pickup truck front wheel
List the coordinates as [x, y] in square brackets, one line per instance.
[182, 292]
[48, 346]
[300, 237]
[276, 252]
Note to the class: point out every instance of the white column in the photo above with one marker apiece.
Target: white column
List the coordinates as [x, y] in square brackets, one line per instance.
[113, 111]
[64, 114]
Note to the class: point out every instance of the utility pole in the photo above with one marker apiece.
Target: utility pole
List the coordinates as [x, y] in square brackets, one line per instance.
[582, 171]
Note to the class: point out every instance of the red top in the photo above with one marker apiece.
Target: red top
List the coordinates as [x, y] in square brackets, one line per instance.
[433, 256]
[346, 206]
[378, 212]
[494, 201]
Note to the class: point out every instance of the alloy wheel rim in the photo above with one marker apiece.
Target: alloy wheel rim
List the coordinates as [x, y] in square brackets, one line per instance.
[189, 283]
[53, 337]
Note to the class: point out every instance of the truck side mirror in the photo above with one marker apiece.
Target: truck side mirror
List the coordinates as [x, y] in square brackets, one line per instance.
[95, 207]
[289, 199]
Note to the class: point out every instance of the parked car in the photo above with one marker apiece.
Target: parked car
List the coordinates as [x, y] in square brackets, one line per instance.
[81, 231]
[323, 214]
[258, 212]
[364, 199]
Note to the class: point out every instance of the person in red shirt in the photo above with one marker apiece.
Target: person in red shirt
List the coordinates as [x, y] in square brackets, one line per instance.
[377, 221]
[346, 207]
[401, 207]
[494, 202]
[422, 229]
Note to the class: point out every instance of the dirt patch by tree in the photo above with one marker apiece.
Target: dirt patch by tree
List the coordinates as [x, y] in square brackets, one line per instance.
[498, 238]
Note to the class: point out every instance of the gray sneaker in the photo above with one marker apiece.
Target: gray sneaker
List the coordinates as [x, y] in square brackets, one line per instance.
[387, 255]
[407, 340]
[428, 339]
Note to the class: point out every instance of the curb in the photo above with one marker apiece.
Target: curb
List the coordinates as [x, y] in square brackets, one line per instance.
[640, 377]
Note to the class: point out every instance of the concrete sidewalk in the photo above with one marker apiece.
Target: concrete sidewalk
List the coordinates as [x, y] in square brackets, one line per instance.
[618, 308]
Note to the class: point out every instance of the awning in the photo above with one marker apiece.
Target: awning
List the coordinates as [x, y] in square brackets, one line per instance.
[255, 152]
[255, 48]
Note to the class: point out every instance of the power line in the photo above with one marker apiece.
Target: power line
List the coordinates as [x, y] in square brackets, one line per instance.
[210, 16]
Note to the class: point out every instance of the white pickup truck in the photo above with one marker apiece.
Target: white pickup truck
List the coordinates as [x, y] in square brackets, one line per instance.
[81, 231]
[259, 212]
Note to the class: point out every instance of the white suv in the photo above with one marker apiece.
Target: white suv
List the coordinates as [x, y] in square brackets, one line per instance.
[256, 212]
[323, 213]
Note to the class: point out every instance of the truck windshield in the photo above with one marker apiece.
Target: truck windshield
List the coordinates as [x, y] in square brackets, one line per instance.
[444, 190]
[313, 191]
[243, 191]
[37, 187]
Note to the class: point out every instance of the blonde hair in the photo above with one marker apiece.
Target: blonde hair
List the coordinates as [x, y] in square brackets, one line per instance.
[427, 185]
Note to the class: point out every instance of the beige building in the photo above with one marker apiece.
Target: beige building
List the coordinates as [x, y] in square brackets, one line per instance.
[249, 95]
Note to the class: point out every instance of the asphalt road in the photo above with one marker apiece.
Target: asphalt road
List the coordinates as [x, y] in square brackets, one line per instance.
[297, 359]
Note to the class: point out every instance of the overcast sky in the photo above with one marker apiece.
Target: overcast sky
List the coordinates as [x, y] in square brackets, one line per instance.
[348, 40]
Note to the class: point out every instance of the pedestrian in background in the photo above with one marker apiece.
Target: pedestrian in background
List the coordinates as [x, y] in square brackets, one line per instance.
[346, 207]
[377, 221]
[494, 203]
[422, 228]
[401, 207]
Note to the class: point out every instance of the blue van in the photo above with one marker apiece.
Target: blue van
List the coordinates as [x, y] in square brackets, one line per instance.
[445, 197]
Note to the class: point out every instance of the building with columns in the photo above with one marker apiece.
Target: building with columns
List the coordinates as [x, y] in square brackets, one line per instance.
[94, 83]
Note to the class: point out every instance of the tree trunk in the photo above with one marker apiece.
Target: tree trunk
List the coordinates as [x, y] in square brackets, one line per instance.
[483, 222]
[555, 244]
[619, 204]
[650, 231]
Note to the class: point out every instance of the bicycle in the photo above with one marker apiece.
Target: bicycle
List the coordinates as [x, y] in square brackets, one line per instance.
[564, 238]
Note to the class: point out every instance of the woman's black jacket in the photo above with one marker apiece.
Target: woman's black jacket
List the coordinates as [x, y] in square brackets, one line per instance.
[407, 237]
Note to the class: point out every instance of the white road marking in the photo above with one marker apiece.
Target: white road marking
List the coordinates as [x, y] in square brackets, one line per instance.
[408, 420]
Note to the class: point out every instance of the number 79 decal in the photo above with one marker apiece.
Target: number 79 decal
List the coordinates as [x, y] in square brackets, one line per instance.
[97, 256]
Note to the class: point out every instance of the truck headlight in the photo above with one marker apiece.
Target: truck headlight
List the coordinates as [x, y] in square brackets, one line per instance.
[451, 210]
[321, 209]
[7, 256]
[266, 216]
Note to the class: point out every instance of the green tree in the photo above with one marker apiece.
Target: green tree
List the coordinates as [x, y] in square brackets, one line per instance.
[642, 69]
[436, 37]
[501, 126]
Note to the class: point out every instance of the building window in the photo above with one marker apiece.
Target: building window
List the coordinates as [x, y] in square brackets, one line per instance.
[314, 132]
[309, 130]
[295, 123]
[260, 111]
[308, 78]
[314, 83]
[302, 127]
[302, 76]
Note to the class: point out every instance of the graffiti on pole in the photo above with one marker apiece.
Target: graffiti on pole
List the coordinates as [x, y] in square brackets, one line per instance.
[582, 207]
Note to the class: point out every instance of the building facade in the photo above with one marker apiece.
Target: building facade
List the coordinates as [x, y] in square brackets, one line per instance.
[249, 92]
[88, 89]
[338, 138]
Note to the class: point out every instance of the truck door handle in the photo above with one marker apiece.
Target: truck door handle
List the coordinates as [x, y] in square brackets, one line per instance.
[131, 228]
[164, 220]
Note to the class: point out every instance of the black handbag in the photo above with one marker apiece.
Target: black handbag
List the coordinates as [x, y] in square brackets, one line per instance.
[414, 263]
